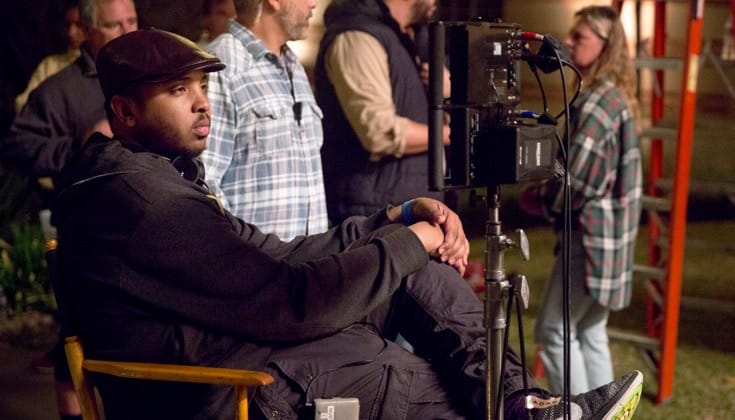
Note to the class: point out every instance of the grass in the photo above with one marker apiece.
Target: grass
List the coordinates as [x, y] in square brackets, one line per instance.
[704, 378]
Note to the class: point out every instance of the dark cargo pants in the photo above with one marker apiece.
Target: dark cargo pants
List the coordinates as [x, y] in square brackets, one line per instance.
[444, 379]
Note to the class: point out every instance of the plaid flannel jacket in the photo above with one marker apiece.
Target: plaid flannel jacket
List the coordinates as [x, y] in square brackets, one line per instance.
[606, 189]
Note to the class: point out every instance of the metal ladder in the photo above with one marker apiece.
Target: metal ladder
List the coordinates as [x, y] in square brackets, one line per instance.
[666, 213]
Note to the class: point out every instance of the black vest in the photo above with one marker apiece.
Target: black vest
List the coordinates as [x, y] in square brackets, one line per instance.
[354, 184]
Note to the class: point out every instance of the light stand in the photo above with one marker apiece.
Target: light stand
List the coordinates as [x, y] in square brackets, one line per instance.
[497, 291]
[488, 147]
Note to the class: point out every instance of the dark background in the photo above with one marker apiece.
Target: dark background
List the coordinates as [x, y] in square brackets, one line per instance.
[32, 29]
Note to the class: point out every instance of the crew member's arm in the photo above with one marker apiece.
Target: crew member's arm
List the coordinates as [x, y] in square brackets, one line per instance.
[454, 249]
[357, 66]
[236, 286]
[446, 84]
[38, 142]
[49, 66]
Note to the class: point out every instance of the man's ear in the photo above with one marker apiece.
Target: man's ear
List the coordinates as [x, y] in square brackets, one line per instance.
[123, 110]
[275, 5]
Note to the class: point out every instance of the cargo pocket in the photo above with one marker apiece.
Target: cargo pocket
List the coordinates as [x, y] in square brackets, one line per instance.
[408, 392]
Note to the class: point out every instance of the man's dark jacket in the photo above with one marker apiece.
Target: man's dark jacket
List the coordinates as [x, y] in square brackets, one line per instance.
[354, 184]
[58, 114]
[155, 270]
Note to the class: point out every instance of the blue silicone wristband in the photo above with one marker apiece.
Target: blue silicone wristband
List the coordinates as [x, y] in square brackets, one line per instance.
[406, 213]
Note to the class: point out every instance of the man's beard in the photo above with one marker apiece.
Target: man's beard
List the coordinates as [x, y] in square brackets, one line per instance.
[295, 30]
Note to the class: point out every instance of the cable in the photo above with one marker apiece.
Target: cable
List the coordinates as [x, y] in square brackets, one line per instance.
[566, 242]
[531, 36]
[543, 60]
[566, 213]
[576, 91]
[541, 88]
[564, 145]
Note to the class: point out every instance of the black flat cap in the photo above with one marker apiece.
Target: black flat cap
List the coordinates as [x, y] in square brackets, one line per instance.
[149, 56]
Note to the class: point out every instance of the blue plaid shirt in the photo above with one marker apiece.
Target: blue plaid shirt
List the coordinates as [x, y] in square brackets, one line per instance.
[262, 158]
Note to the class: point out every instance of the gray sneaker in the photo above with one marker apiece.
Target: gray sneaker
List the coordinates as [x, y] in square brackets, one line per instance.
[614, 401]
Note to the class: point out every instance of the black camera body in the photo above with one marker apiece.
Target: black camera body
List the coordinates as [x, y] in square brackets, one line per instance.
[489, 142]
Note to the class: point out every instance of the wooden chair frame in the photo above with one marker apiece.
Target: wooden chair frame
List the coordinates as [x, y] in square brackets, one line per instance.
[82, 368]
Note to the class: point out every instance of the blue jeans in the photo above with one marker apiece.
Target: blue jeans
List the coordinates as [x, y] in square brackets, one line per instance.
[590, 362]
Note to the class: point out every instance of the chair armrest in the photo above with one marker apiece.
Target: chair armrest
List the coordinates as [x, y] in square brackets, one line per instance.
[179, 373]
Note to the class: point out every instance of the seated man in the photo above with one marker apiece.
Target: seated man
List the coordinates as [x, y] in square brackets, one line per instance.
[157, 271]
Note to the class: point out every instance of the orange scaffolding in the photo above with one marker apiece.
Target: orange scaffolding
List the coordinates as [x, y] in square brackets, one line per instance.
[667, 212]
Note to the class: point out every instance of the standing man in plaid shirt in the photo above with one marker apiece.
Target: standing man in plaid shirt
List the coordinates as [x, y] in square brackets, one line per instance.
[263, 160]
[605, 177]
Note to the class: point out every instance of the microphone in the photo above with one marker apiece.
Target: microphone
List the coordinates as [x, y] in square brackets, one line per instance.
[297, 107]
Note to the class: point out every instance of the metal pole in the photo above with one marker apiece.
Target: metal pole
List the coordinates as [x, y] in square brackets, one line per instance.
[679, 200]
[496, 293]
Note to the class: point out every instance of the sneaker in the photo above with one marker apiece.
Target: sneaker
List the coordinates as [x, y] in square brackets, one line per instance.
[614, 401]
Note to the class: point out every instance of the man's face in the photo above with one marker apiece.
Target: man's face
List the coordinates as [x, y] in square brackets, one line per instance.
[74, 30]
[216, 23]
[294, 18]
[172, 118]
[114, 18]
[422, 11]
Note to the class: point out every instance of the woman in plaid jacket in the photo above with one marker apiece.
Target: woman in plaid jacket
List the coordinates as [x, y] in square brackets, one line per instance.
[604, 171]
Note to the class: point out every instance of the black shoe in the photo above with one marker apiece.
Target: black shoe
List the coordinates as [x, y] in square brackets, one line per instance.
[614, 401]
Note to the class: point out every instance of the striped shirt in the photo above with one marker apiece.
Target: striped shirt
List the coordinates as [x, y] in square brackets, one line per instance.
[606, 184]
[262, 158]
